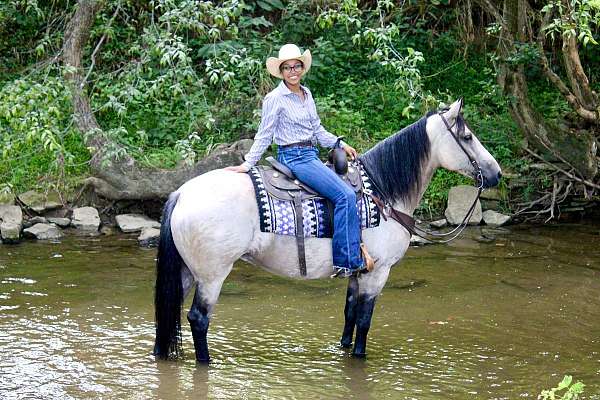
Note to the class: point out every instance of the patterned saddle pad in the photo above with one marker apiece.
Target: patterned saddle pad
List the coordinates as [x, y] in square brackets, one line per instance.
[279, 216]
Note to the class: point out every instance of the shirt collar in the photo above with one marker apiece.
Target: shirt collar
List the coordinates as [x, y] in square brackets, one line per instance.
[285, 91]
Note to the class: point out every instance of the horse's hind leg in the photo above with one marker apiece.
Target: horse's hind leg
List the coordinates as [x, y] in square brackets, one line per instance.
[350, 312]
[199, 321]
[205, 299]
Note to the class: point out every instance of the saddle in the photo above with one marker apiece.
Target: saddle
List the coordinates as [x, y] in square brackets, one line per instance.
[280, 182]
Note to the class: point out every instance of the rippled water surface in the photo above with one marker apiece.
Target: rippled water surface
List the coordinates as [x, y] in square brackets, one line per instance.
[484, 320]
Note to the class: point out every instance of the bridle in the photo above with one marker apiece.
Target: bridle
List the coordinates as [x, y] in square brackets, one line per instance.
[408, 222]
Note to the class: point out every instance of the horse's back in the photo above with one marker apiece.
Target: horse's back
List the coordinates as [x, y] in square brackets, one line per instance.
[215, 188]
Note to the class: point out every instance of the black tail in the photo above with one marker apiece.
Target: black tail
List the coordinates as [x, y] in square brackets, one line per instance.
[168, 297]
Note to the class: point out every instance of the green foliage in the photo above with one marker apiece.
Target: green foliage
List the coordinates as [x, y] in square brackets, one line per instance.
[175, 78]
[36, 136]
[570, 390]
[575, 18]
[435, 197]
[26, 34]
[370, 30]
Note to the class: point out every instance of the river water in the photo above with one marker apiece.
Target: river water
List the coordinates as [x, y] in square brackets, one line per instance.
[476, 319]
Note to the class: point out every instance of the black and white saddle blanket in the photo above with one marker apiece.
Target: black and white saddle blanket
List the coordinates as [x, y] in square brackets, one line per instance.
[278, 214]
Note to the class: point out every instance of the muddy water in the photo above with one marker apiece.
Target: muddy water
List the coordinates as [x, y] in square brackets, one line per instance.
[475, 319]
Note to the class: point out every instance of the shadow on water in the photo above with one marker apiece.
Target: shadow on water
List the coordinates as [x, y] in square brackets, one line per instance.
[474, 319]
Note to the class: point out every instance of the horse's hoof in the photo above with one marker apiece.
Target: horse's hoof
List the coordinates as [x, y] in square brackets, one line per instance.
[204, 361]
[359, 355]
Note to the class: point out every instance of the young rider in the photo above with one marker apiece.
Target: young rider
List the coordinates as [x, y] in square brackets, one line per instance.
[290, 119]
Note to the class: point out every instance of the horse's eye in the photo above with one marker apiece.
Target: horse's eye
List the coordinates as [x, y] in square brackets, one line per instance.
[467, 136]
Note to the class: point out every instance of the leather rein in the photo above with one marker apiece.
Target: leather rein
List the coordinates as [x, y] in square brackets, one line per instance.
[408, 222]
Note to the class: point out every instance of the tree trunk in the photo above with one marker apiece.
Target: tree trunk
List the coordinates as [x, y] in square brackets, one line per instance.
[122, 178]
[578, 80]
[558, 140]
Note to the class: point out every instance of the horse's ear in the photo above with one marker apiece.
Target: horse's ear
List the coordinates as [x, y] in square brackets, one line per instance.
[454, 110]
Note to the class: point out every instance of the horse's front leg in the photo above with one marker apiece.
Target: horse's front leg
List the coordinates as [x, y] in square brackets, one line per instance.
[370, 286]
[364, 313]
[350, 312]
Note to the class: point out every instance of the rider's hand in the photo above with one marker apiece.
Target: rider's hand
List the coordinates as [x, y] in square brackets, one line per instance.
[350, 151]
[236, 168]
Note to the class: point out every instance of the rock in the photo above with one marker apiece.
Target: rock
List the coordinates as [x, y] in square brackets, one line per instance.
[58, 213]
[86, 219]
[62, 222]
[7, 198]
[135, 222]
[11, 223]
[34, 220]
[11, 233]
[419, 241]
[224, 155]
[39, 202]
[149, 237]
[493, 218]
[491, 194]
[490, 204]
[460, 200]
[44, 232]
[440, 223]
[107, 230]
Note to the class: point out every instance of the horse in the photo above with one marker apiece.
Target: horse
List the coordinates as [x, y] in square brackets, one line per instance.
[211, 221]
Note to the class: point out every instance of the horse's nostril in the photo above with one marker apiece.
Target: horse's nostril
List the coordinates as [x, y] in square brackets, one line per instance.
[499, 175]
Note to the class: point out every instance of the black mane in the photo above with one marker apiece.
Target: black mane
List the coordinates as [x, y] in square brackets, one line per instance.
[394, 164]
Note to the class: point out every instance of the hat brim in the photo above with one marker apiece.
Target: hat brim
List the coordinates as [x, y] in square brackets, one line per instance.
[273, 64]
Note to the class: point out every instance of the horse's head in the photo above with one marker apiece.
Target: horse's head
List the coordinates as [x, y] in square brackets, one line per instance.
[456, 148]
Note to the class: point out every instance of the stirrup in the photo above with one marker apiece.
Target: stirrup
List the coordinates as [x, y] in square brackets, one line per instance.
[344, 272]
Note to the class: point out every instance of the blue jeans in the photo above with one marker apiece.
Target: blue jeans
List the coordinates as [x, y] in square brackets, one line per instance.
[305, 164]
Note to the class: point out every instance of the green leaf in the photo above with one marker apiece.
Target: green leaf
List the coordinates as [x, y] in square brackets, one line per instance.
[276, 4]
[260, 21]
[264, 6]
[565, 382]
[577, 388]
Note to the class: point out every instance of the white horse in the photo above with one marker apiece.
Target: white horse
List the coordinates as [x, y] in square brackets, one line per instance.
[212, 220]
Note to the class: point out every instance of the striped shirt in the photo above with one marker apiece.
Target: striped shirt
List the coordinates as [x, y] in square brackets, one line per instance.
[286, 119]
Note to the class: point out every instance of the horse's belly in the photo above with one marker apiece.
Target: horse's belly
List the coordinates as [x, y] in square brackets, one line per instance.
[279, 254]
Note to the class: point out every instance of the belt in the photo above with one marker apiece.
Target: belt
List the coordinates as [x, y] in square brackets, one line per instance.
[308, 143]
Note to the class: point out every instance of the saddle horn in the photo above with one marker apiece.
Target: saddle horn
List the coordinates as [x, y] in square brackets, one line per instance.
[337, 157]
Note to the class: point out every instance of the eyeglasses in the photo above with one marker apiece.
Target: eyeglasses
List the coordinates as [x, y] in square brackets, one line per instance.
[296, 67]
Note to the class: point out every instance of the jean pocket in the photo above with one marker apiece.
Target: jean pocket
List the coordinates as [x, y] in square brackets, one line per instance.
[289, 156]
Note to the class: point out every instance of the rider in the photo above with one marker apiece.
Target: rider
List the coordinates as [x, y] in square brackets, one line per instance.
[289, 118]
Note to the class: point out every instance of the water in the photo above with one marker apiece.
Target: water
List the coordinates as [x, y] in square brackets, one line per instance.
[484, 320]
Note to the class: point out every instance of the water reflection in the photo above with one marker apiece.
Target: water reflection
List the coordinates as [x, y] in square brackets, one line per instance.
[499, 319]
[358, 380]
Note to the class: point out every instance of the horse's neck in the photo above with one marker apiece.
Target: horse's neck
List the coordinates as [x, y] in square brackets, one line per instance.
[409, 205]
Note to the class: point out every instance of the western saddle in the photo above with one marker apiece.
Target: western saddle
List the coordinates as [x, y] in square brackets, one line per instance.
[281, 183]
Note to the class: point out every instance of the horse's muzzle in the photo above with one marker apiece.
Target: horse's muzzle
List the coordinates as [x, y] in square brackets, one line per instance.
[491, 179]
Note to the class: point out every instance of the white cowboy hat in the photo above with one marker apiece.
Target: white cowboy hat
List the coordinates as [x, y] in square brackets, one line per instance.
[288, 52]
